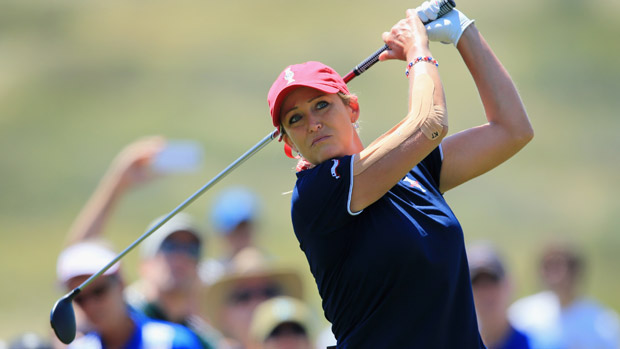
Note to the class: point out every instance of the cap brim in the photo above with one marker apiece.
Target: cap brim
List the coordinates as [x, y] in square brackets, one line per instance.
[216, 294]
[485, 271]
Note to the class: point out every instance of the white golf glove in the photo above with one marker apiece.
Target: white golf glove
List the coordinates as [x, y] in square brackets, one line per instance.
[428, 10]
[447, 29]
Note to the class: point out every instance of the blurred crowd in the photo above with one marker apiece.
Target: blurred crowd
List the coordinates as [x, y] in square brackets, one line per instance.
[245, 298]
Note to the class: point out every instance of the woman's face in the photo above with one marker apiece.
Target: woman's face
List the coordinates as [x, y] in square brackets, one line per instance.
[319, 125]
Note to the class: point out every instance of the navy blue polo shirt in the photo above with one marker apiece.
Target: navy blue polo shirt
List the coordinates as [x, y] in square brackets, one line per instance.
[393, 275]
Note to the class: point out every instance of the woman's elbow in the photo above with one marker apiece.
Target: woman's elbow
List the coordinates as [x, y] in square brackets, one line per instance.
[529, 134]
[524, 133]
[444, 133]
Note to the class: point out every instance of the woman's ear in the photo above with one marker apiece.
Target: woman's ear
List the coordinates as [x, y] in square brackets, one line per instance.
[355, 108]
[289, 142]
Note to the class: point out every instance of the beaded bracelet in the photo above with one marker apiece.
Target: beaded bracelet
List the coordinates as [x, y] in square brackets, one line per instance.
[428, 59]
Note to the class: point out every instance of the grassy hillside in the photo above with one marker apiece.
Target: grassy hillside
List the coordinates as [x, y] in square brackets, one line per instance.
[79, 80]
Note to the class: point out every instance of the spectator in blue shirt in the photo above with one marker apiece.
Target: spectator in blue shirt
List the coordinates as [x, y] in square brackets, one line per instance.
[492, 289]
[106, 320]
[564, 316]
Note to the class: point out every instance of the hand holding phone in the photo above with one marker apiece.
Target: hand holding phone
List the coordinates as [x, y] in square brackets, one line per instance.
[178, 156]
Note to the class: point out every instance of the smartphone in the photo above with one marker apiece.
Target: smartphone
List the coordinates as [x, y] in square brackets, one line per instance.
[179, 156]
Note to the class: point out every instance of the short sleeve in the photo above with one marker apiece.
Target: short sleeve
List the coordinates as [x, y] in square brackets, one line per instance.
[431, 164]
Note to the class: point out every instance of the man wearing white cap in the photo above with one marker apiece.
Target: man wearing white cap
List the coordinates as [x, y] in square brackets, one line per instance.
[112, 323]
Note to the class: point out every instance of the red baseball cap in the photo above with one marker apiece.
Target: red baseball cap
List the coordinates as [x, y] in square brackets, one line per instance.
[310, 74]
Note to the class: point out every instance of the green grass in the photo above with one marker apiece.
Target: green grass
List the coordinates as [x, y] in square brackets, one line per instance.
[79, 80]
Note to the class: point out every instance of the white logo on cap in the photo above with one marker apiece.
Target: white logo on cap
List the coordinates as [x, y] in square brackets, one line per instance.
[288, 75]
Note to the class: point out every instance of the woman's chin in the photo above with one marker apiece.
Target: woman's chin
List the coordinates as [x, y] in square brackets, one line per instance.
[328, 155]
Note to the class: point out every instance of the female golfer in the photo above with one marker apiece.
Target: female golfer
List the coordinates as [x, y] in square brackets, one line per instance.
[386, 251]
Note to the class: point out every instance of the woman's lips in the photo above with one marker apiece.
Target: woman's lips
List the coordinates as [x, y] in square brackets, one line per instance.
[319, 139]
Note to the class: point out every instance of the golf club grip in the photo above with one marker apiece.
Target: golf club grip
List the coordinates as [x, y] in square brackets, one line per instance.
[445, 7]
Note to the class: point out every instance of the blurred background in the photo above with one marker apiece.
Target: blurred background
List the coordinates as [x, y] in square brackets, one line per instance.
[79, 80]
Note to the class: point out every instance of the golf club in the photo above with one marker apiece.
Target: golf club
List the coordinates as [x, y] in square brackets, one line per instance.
[62, 316]
[445, 6]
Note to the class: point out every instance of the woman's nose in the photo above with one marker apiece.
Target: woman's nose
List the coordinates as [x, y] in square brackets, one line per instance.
[315, 124]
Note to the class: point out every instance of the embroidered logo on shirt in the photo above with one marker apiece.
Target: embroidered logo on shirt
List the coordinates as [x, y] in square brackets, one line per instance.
[414, 184]
[288, 76]
[334, 168]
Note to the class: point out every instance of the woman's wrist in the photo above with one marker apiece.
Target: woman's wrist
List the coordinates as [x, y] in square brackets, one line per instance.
[427, 59]
[413, 54]
[470, 32]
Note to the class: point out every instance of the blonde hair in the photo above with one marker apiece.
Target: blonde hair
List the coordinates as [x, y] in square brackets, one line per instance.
[346, 98]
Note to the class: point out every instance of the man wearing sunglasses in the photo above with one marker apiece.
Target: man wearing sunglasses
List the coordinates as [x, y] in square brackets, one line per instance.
[170, 285]
[251, 279]
[111, 323]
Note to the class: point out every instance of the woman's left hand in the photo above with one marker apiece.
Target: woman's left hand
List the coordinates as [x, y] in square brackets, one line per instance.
[408, 38]
[449, 28]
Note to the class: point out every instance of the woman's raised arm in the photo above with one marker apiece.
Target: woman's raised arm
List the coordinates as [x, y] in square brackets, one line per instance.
[472, 152]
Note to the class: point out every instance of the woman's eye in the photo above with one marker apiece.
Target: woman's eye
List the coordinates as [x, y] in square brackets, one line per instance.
[293, 119]
[321, 104]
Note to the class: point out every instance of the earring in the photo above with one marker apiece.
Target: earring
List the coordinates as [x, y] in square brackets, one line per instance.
[356, 125]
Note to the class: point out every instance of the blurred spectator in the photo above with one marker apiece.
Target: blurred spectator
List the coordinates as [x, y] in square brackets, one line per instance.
[113, 324]
[325, 338]
[168, 288]
[131, 167]
[492, 289]
[234, 218]
[562, 317]
[29, 340]
[251, 279]
[282, 323]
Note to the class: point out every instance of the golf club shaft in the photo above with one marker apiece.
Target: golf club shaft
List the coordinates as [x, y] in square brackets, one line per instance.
[445, 7]
[260, 145]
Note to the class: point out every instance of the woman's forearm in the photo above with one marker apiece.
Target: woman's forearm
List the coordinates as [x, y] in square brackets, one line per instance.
[500, 98]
